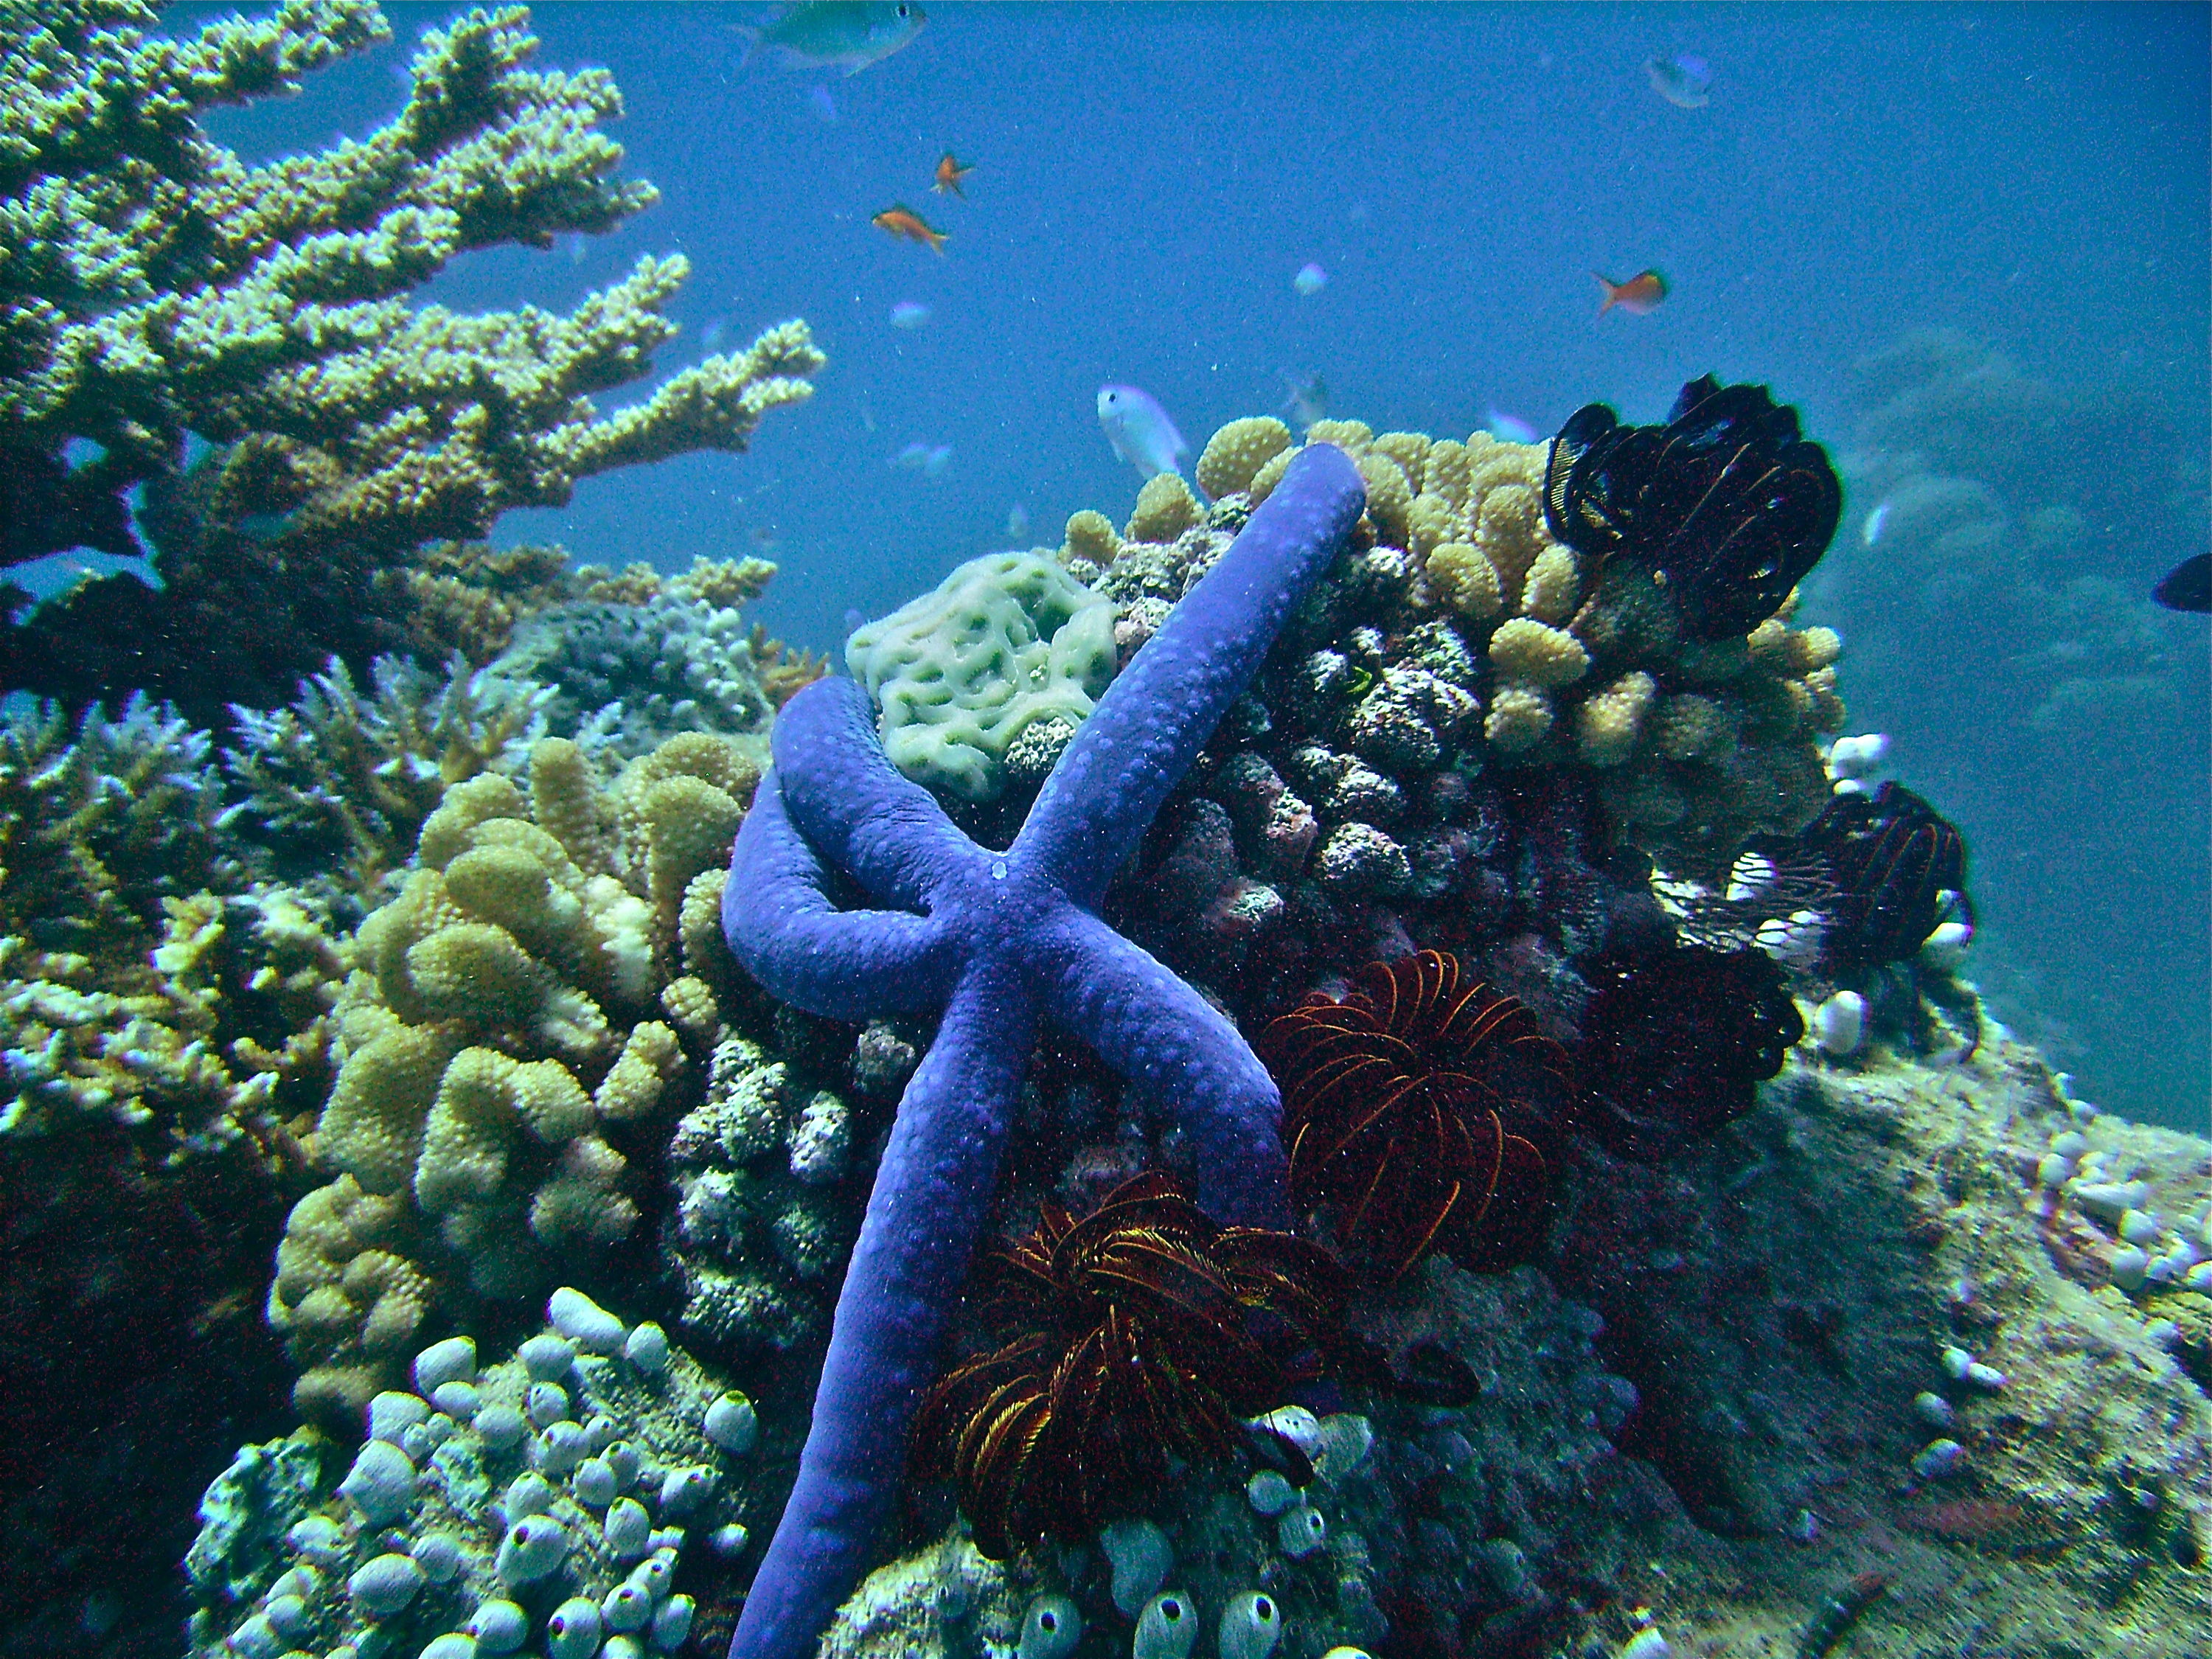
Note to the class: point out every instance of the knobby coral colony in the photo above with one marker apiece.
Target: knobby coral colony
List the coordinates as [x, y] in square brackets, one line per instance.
[1135, 1336]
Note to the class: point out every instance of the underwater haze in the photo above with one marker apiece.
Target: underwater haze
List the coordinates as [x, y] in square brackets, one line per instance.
[1968, 242]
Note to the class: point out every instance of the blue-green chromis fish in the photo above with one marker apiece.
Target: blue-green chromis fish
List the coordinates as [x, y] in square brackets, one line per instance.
[836, 34]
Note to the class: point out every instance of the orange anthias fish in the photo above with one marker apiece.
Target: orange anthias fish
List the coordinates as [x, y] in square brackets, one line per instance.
[1637, 296]
[900, 219]
[949, 172]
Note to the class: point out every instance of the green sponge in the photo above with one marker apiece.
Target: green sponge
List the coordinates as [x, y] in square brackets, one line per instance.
[1004, 642]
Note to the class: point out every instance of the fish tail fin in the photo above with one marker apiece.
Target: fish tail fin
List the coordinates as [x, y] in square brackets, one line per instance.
[749, 39]
[1611, 293]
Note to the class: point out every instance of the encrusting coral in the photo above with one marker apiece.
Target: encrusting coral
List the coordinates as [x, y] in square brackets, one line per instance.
[157, 291]
[502, 1035]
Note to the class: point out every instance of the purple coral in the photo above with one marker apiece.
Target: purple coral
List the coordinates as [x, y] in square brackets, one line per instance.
[995, 941]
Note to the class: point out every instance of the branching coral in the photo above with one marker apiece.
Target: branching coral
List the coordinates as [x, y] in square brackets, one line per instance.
[157, 290]
[500, 1040]
[1130, 1337]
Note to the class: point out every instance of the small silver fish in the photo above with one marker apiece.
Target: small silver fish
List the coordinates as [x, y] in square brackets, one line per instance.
[1681, 79]
[1140, 431]
[1309, 399]
[1309, 281]
[1876, 522]
[928, 459]
[910, 314]
[846, 34]
[1508, 428]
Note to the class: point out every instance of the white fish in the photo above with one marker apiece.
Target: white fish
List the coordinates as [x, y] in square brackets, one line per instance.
[1309, 281]
[712, 337]
[1509, 429]
[910, 314]
[928, 459]
[1875, 520]
[1017, 523]
[1140, 431]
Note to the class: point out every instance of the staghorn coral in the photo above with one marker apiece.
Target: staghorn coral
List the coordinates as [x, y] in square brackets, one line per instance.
[501, 1047]
[157, 291]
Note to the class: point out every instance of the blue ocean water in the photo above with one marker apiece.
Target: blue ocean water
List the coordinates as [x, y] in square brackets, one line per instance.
[1967, 243]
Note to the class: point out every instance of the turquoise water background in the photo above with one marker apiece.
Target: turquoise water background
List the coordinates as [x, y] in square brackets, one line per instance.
[1148, 179]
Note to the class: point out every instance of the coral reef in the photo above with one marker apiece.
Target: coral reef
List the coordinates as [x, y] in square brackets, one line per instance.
[500, 1047]
[161, 293]
[995, 959]
[597, 1482]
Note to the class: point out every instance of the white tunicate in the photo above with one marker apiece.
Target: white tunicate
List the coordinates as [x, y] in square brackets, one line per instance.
[1944, 950]
[601, 1432]
[626, 1529]
[656, 1575]
[1140, 1555]
[255, 1639]
[2130, 1267]
[595, 1483]
[1955, 1361]
[1933, 1409]
[671, 1624]
[391, 1413]
[1937, 1459]
[2108, 1200]
[584, 1321]
[1839, 1024]
[1295, 1424]
[573, 1631]
[1050, 1629]
[381, 1484]
[453, 1645]
[287, 1614]
[560, 1449]
[528, 1493]
[382, 1586]
[2052, 1170]
[623, 1647]
[728, 1541]
[1647, 1644]
[2070, 1143]
[435, 1430]
[1270, 1492]
[666, 1537]
[500, 1627]
[2138, 1227]
[647, 1348]
[454, 1361]
[2199, 1278]
[626, 1607]
[318, 1538]
[501, 1427]
[549, 1404]
[533, 1547]
[1985, 1376]
[622, 1458]
[546, 1357]
[1251, 1625]
[682, 1488]
[1345, 1437]
[1507, 1564]
[439, 1555]
[1796, 939]
[1302, 1531]
[1347, 1653]
[1166, 1629]
[733, 1424]
[303, 1582]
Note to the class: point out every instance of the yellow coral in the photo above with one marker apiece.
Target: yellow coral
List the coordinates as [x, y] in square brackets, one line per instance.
[1463, 578]
[1607, 723]
[1091, 535]
[1445, 471]
[724, 583]
[1813, 649]
[446, 831]
[564, 800]
[1165, 508]
[633, 1085]
[1509, 527]
[485, 1101]
[1238, 450]
[1536, 653]
[1408, 449]
[1269, 475]
[1520, 718]
[1549, 590]
[1350, 436]
[372, 1127]
[1690, 726]
[1492, 465]
[1389, 497]
[1432, 521]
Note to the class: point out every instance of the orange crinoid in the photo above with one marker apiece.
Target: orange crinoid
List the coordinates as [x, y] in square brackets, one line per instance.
[1141, 1330]
[1422, 1112]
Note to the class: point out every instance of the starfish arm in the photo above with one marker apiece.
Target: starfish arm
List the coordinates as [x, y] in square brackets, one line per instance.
[932, 1199]
[1152, 1028]
[842, 965]
[1140, 739]
[884, 830]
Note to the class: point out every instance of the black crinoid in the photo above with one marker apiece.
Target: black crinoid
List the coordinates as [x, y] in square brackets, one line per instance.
[1897, 867]
[1675, 1042]
[1727, 504]
[1139, 1331]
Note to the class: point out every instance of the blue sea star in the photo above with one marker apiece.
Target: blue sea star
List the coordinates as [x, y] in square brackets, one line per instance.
[995, 941]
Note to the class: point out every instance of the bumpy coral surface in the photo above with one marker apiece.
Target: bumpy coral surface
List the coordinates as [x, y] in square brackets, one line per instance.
[158, 289]
[501, 1044]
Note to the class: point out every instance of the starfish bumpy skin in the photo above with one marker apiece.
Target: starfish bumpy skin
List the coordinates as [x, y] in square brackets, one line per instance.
[996, 941]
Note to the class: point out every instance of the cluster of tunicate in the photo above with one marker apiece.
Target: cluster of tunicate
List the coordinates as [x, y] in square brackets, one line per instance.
[769, 1183]
[555, 1504]
[518, 1016]
[623, 678]
[2145, 1250]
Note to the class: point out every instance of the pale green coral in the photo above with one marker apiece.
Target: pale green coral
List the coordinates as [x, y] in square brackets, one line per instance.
[1003, 642]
